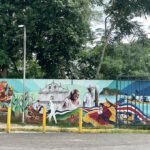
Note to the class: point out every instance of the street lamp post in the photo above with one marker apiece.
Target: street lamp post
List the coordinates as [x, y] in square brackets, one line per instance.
[24, 70]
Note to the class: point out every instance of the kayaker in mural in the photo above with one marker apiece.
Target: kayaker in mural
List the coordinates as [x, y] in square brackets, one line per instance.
[72, 102]
[89, 97]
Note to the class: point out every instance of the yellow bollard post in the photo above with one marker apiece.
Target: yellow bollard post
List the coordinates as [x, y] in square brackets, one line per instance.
[8, 119]
[80, 120]
[44, 119]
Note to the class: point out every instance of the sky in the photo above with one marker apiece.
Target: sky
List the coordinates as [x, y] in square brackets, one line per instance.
[145, 22]
[97, 26]
[145, 25]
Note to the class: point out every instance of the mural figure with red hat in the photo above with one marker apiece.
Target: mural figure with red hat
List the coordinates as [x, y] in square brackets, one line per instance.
[103, 113]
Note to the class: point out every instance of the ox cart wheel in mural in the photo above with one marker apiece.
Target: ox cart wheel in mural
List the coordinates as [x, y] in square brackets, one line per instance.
[133, 101]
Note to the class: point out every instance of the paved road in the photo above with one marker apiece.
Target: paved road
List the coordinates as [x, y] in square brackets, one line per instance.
[73, 141]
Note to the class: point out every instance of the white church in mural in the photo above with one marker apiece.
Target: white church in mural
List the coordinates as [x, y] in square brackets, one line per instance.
[54, 92]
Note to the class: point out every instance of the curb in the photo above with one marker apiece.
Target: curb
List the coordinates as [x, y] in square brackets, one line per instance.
[73, 130]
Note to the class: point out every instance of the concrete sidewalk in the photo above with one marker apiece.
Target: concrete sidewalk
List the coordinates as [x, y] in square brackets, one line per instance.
[73, 141]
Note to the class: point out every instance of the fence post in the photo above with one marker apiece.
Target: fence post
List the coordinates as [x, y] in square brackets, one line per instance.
[8, 119]
[44, 119]
[80, 120]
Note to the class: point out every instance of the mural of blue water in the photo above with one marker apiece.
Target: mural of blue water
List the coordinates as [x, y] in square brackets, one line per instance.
[103, 98]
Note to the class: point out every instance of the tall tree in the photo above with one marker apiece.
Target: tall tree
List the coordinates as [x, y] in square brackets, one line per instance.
[56, 32]
[8, 36]
[118, 21]
[129, 59]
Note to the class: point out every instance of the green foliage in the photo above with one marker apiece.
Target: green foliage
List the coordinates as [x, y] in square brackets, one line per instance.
[4, 60]
[34, 70]
[56, 32]
[119, 15]
[87, 63]
[118, 22]
[128, 59]
[60, 30]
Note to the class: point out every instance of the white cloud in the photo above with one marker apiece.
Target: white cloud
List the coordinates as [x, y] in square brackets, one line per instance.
[98, 27]
[145, 22]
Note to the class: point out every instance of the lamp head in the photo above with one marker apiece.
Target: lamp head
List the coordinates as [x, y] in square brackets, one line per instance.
[21, 26]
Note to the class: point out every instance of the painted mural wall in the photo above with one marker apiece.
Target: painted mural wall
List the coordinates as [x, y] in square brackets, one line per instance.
[133, 102]
[63, 98]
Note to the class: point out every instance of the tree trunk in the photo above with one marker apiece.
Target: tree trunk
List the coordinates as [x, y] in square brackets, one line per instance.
[103, 53]
[4, 73]
[96, 97]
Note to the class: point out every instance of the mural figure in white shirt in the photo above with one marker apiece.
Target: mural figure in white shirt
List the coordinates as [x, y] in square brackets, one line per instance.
[51, 110]
[89, 97]
[38, 107]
